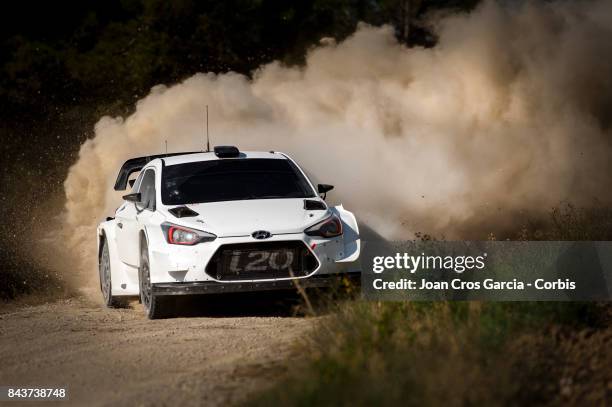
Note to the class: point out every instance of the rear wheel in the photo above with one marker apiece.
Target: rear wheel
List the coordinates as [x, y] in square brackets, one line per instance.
[105, 278]
[150, 301]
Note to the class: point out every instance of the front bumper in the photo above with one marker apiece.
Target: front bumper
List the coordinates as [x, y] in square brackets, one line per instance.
[214, 287]
[187, 264]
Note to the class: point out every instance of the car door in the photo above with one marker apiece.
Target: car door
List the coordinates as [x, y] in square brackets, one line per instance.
[145, 216]
[125, 216]
[129, 219]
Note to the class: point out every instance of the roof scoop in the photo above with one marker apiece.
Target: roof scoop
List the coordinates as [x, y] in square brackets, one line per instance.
[183, 212]
[227, 151]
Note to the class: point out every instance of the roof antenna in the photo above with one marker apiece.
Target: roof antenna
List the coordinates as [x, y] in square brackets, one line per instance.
[166, 141]
[207, 137]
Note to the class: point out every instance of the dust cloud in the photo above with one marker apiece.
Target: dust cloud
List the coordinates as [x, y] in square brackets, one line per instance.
[510, 111]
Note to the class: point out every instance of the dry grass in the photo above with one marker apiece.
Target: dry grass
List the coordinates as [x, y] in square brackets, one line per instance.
[453, 354]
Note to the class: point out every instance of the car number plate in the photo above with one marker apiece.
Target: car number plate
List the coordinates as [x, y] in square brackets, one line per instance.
[252, 261]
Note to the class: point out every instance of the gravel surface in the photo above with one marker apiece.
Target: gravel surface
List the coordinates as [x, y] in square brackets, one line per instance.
[118, 357]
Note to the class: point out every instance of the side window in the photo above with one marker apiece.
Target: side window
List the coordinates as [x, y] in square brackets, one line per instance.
[147, 190]
[137, 182]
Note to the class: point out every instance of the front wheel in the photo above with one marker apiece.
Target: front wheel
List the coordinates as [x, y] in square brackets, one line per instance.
[150, 301]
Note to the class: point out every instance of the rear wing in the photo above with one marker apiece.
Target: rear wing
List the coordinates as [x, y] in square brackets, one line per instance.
[135, 164]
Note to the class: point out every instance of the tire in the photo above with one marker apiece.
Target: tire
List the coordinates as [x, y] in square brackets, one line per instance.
[106, 284]
[150, 301]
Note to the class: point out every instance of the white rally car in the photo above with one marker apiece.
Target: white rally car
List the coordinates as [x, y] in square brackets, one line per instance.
[222, 221]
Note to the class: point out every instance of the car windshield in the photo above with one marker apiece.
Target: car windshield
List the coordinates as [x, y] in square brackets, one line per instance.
[233, 180]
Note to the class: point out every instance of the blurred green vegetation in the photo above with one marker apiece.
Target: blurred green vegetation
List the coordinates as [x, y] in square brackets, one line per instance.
[70, 53]
[456, 354]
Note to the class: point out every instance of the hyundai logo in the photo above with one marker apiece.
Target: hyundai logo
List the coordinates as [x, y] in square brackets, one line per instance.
[261, 234]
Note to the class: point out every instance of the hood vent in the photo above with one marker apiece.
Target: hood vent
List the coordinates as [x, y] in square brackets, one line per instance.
[314, 205]
[183, 212]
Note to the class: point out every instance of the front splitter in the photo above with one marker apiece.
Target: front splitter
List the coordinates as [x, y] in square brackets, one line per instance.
[214, 287]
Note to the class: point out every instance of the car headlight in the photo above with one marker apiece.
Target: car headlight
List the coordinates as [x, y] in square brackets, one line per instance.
[176, 234]
[329, 227]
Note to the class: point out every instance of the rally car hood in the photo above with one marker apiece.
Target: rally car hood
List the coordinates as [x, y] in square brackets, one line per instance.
[242, 218]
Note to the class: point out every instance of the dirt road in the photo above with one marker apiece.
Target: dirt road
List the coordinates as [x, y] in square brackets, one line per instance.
[117, 357]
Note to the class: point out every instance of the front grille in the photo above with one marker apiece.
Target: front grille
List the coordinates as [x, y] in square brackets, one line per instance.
[261, 260]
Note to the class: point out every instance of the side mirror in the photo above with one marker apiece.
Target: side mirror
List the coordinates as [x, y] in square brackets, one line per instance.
[135, 197]
[324, 189]
[132, 182]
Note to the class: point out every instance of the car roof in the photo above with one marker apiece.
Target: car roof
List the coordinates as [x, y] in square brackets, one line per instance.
[210, 156]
